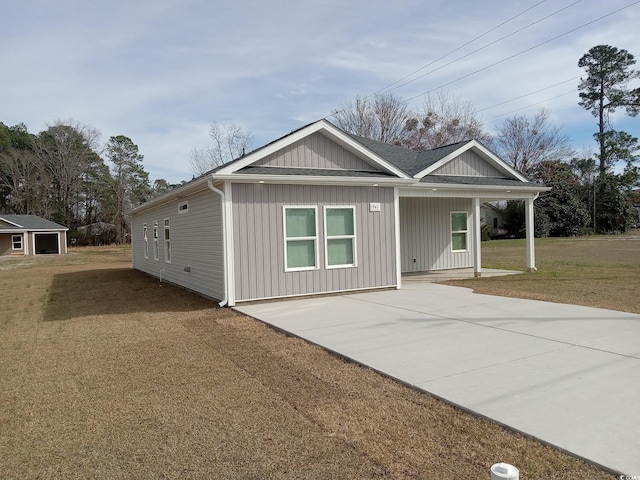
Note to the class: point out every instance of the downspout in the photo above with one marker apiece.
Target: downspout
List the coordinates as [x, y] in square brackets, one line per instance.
[225, 300]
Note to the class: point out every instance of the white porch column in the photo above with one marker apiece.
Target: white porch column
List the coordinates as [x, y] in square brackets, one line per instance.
[477, 239]
[530, 227]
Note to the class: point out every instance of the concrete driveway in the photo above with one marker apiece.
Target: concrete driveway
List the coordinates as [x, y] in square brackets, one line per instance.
[566, 374]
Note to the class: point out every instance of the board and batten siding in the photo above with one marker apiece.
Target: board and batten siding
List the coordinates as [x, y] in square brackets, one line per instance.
[468, 164]
[196, 244]
[315, 151]
[259, 245]
[425, 234]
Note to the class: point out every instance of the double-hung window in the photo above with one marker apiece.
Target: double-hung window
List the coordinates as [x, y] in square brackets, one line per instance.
[300, 238]
[16, 242]
[156, 253]
[340, 236]
[459, 231]
[146, 241]
[167, 241]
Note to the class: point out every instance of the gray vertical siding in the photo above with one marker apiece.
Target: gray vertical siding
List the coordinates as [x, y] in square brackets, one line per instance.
[425, 234]
[469, 164]
[196, 243]
[315, 151]
[259, 240]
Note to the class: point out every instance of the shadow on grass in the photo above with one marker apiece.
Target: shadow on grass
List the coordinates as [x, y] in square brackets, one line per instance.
[115, 291]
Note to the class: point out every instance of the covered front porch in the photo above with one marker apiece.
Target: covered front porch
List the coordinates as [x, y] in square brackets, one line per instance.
[440, 231]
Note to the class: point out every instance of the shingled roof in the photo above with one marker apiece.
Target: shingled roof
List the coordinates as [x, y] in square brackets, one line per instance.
[31, 222]
[410, 161]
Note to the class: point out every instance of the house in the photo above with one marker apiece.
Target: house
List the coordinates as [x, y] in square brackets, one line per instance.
[322, 211]
[31, 235]
[493, 218]
[97, 233]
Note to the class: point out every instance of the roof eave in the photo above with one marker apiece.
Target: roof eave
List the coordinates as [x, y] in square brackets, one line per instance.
[177, 193]
[505, 188]
[312, 179]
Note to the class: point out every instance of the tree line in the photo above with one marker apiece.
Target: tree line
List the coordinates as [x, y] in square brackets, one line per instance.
[587, 193]
[65, 175]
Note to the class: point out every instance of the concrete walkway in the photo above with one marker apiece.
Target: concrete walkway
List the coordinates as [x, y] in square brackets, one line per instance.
[566, 374]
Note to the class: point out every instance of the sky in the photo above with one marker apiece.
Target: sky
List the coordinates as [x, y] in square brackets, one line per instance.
[161, 71]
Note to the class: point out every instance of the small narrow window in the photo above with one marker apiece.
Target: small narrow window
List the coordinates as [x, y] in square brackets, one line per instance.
[459, 231]
[340, 231]
[156, 253]
[146, 241]
[167, 241]
[495, 223]
[16, 242]
[300, 238]
[183, 208]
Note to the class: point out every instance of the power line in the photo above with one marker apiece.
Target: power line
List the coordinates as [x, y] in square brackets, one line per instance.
[527, 94]
[483, 47]
[524, 51]
[460, 47]
[533, 104]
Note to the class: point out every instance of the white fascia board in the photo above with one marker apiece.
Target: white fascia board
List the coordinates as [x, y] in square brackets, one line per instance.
[327, 129]
[483, 151]
[312, 179]
[183, 191]
[14, 231]
[498, 188]
[11, 223]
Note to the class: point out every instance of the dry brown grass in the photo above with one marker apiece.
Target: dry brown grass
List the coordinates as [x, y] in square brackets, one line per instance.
[596, 271]
[106, 373]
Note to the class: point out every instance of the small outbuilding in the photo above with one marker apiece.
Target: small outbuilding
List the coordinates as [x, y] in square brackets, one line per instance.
[31, 235]
[322, 211]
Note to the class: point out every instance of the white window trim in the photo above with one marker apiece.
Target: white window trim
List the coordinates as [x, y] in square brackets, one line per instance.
[145, 237]
[183, 210]
[13, 242]
[167, 243]
[339, 237]
[156, 253]
[466, 232]
[284, 234]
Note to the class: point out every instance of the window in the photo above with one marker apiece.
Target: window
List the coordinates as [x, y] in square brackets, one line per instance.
[146, 241]
[156, 255]
[340, 237]
[183, 208]
[16, 242]
[300, 238]
[167, 241]
[459, 231]
[495, 223]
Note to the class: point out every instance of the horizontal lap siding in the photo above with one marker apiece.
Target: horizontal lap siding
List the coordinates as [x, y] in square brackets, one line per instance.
[259, 240]
[196, 244]
[315, 151]
[468, 164]
[425, 233]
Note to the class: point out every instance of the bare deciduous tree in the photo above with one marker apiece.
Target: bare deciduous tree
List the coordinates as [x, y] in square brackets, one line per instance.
[525, 142]
[229, 142]
[66, 148]
[443, 120]
[380, 117]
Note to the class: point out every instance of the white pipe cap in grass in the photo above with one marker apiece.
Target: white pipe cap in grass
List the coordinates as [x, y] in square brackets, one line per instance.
[504, 471]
